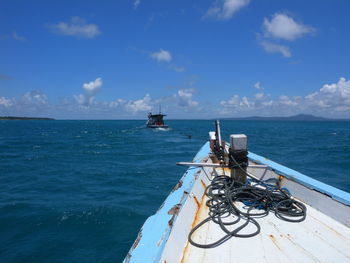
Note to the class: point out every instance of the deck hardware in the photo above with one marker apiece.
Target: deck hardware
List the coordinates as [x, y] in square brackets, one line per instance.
[259, 199]
[199, 164]
[219, 145]
[214, 165]
[238, 157]
[258, 196]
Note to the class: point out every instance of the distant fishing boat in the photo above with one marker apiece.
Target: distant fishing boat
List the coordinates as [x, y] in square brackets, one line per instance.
[232, 205]
[156, 120]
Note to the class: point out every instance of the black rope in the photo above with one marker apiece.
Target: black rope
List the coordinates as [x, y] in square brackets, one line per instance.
[259, 198]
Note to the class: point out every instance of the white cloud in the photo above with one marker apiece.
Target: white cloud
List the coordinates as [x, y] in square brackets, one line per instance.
[185, 98]
[91, 88]
[258, 86]
[34, 98]
[18, 37]
[5, 102]
[276, 48]
[76, 27]
[282, 26]
[225, 9]
[259, 96]
[285, 100]
[84, 99]
[137, 3]
[32, 103]
[237, 102]
[260, 104]
[233, 101]
[162, 55]
[116, 103]
[334, 96]
[330, 100]
[141, 105]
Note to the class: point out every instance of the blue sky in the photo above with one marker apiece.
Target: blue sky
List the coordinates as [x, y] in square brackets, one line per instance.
[198, 59]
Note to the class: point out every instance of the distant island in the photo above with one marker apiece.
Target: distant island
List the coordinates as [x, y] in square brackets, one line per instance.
[23, 118]
[299, 117]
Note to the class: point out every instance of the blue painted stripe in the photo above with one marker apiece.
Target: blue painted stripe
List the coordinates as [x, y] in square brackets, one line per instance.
[156, 230]
[309, 182]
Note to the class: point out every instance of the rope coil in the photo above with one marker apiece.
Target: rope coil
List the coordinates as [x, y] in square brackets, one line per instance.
[259, 198]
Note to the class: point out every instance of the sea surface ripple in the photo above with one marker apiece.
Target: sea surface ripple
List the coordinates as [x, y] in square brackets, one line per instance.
[79, 191]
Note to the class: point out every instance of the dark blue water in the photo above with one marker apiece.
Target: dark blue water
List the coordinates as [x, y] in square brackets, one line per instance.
[78, 191]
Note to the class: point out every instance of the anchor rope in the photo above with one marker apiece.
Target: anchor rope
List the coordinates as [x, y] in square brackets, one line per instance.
[258, 197]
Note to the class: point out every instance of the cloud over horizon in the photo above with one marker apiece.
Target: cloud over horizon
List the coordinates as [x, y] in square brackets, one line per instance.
[140, 105]
[91, 88]
[5, 102]
[32, 102]
[185, 99]
[331, 100]
[34, 97]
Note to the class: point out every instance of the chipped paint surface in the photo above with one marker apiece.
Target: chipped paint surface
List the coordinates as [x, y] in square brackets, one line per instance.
[173, 211]
[137, 240]
[320, 238]
[317, 239]
[197, 219]
[178, 185]
[156, 229]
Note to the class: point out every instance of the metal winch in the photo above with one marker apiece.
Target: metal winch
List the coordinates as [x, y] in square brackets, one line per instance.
[234, 156]
[238, 157]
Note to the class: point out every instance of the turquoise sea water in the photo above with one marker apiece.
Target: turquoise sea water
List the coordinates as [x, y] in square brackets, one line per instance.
[79, 191]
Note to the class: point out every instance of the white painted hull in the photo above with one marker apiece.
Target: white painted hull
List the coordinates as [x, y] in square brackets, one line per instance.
[324, 236]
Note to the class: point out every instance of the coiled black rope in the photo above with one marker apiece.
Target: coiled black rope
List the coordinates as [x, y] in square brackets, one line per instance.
[259, 198]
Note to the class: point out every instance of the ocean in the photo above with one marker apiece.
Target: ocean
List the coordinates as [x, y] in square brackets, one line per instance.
[79, 191]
